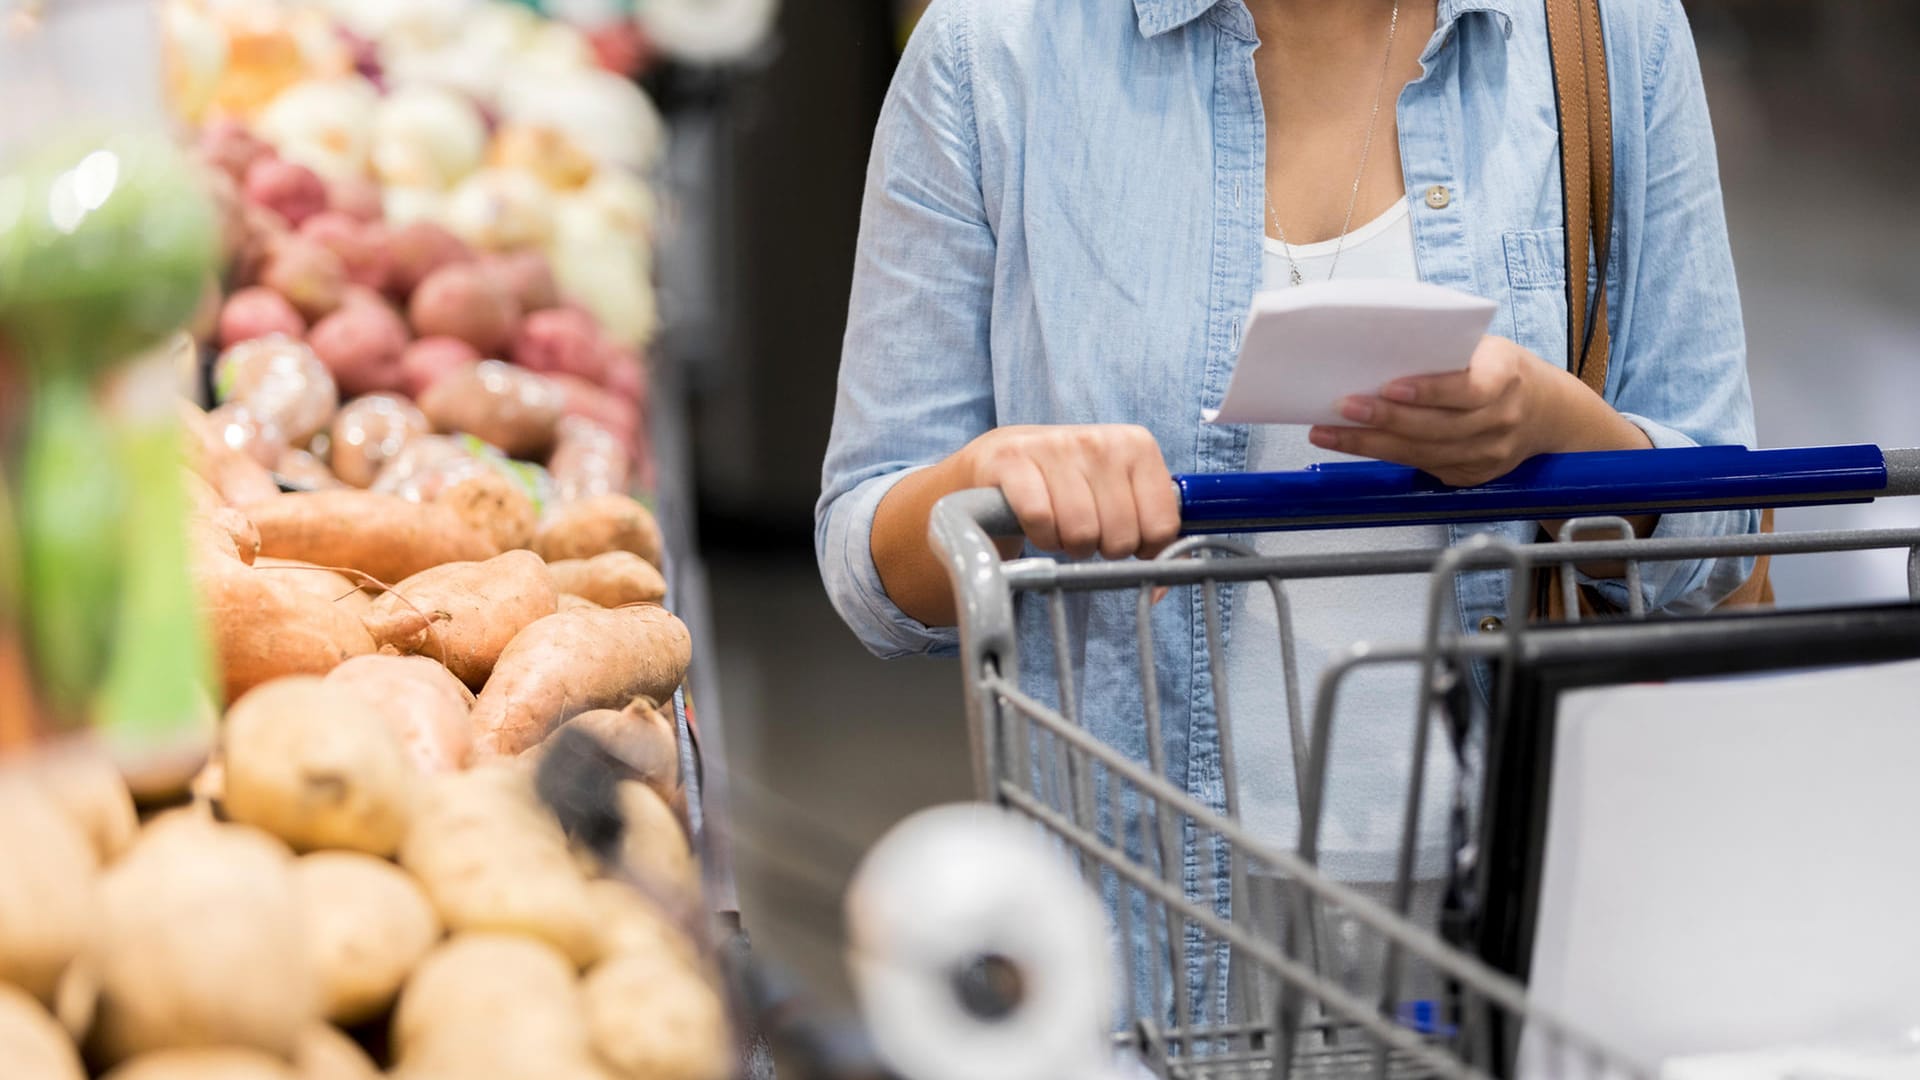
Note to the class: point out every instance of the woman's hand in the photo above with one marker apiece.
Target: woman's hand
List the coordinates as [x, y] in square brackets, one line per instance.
[1081, 489]
[1469, 427]
[1077, 489]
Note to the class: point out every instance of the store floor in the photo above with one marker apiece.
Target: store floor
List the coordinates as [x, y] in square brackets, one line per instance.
[831, 746]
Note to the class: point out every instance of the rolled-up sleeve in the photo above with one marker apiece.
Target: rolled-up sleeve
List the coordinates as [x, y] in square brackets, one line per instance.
[1681, 356]
[916, 381]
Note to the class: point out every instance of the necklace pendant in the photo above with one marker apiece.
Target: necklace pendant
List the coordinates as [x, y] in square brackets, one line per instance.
[1294, 272]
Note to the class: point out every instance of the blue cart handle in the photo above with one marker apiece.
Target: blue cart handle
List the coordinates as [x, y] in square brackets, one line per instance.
[1552, 486]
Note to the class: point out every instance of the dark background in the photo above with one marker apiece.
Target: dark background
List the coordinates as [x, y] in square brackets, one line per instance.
[1815, 108]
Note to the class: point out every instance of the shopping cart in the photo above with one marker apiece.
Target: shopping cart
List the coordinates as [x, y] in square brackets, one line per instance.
[1133, 830]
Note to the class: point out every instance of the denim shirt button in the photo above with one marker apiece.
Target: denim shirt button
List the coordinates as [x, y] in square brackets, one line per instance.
[1492, 624]
[1438, 197]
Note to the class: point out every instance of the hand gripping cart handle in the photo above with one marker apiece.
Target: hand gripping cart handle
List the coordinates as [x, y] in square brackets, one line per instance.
[1133, 830]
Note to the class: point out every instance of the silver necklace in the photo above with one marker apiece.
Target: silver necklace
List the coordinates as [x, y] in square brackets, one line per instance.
[1366, 150]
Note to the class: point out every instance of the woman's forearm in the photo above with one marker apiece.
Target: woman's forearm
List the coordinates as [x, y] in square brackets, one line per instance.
[910, 571]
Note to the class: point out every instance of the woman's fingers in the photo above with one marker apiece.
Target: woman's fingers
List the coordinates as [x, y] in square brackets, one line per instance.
[1076, 514]
[1158, 506]
[1026, 490]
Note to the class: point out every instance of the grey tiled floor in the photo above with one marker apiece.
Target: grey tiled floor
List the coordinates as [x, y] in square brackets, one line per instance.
[830, 746]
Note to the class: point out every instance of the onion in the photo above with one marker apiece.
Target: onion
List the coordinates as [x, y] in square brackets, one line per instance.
[427, 137]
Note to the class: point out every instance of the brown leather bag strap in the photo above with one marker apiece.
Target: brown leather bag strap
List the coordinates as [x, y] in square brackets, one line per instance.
[1583, 98]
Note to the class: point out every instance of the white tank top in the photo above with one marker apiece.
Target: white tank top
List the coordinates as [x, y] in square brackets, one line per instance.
[1371, 755]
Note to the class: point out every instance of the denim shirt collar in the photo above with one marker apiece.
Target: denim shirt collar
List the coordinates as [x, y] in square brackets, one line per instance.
[1159, 16]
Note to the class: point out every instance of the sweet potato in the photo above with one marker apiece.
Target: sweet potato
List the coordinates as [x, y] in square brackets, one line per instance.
[358, 197]
[33, 1045]
[570, 602]
[597, 524]
[382, 535]
[323, 582]
[234, 478]
[361, 344]
[569, 663]
[492, 858]
[610, 579]
[464, 614]
[588, 460]
[424, 705]
[507, 407]
[205, 1063]
[464, 301]
[312, 764]
[47, 898]
[256, 312]
[492, 504]
[643, 738]
[367, 925]
[369, 431]
[201, 944]
[264, 624]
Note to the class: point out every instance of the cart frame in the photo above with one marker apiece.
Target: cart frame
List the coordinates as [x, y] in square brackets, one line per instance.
[1041, 763]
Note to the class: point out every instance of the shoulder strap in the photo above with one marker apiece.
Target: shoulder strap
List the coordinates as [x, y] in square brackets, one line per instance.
[1582, 96]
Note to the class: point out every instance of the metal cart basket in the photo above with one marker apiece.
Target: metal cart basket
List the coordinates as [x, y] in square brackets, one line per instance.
[1277, 1012]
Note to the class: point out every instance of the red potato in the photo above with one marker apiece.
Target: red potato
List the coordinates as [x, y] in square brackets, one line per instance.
[419, 249]
[257, 312]
[464, 301]
[587, 527]
[384, 536]
[293, 191]
[260, 229]
[588, 460]
[312, 278]
[515, 410]
[426, 360]
[527, 275]
[227, 145]
[465, 614]
[361, 345]
[361, 245]
[616, 415]
[573, 662]
[424, 704]
[560, 341]
[370, 431]
[357, 197]
[626, 374]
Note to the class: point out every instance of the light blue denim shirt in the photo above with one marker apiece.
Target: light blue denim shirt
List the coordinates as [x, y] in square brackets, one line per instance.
[1063, 225]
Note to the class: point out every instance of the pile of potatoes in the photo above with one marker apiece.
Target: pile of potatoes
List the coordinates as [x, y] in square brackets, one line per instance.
[323, 909]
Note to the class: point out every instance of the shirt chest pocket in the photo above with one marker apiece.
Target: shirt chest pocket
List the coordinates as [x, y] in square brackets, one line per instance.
[1537, 288]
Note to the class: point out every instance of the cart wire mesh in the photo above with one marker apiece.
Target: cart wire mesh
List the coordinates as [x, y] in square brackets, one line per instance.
[1213, 990]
